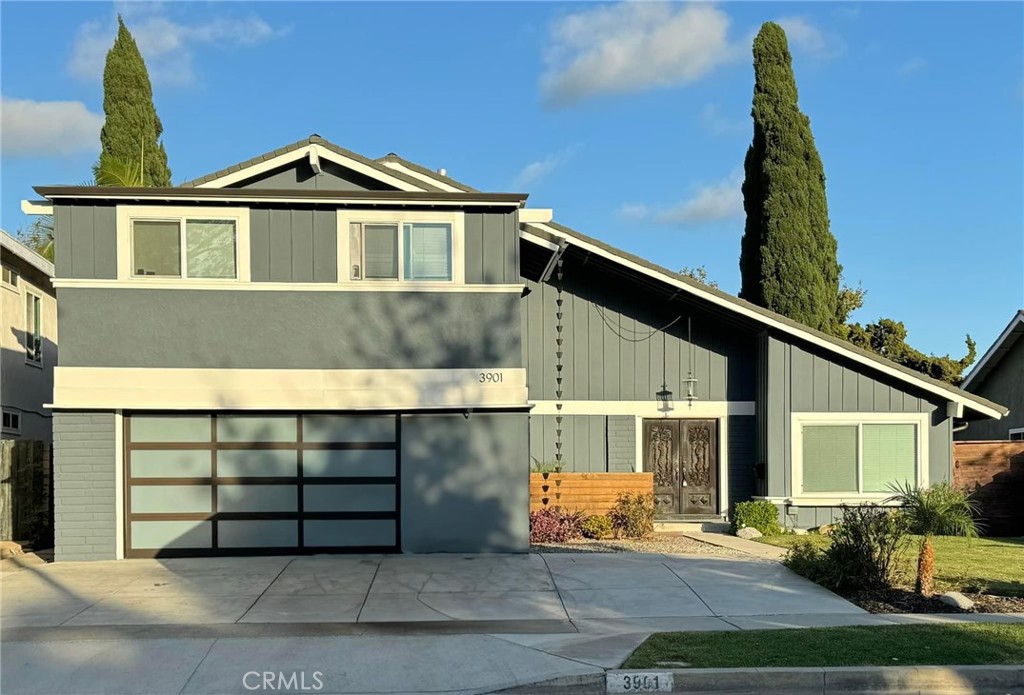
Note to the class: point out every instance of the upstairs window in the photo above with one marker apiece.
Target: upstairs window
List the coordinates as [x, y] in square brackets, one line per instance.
[33, 329]
[184, 248]
[9, 276]
[411, 251]
[11, 421]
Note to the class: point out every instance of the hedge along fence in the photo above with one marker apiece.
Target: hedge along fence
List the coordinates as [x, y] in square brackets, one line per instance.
[593, 493]
[994, 472]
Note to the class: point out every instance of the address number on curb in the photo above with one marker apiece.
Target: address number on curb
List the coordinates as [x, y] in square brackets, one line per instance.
[634, 682]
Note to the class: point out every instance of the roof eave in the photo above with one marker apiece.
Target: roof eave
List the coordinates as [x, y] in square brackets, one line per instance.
[983, 365]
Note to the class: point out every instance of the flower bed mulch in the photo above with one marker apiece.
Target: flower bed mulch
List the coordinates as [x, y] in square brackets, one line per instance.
[905, 601]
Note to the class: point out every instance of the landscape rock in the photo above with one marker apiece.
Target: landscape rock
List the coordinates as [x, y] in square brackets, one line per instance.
[800, 531]
[825, 530]
[956, 599]
[748, 533]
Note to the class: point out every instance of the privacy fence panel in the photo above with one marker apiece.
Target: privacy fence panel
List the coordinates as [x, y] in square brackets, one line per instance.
[994, 472]
[26, 511]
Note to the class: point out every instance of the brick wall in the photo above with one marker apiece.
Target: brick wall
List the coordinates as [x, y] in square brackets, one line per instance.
[621, 443]
[84, 489]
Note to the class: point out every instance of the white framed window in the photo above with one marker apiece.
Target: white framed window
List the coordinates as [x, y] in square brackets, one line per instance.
[851, 456]
[421, 248]
[33, 329]
[1017, 435]
[199, 245]
[11, 421]
[9, 277]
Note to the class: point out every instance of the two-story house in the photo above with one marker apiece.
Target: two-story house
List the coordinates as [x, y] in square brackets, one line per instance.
[28, 341]
[313, 351]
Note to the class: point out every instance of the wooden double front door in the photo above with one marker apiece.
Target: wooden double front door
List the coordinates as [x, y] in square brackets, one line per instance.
[683, 456]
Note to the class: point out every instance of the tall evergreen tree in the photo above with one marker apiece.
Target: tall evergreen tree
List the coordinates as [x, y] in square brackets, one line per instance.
[788, 255]
[131, 132]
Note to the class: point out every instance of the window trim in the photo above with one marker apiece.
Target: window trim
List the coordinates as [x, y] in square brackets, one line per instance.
[1015, 430]
[30, 330]
[127, 214]
[13, 286]
[798, 496]
[400, 218]
[16, 413]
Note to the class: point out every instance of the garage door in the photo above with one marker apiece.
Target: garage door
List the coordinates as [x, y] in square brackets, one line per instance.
[202, 484]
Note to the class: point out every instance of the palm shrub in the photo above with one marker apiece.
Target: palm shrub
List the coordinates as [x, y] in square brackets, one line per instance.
[939, 510]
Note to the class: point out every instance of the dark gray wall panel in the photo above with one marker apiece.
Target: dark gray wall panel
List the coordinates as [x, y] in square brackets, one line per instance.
[293, 245]
[492, 247]
[584, 442]
[299, 175]
[84, 489]
[85, 240]
[614, 349]
[288, 330]
[465, 483]
[325, 246]
[742, 457]
[1004, 385]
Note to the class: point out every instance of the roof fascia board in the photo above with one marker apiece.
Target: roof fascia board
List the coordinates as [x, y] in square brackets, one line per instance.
[979, 368]
[26, 254]
[302, 153]
[401, 198]
[778, 325]
[37, 207]
[398, 166]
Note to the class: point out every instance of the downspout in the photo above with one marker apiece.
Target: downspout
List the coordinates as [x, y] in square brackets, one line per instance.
[960, 428]
[549, 269]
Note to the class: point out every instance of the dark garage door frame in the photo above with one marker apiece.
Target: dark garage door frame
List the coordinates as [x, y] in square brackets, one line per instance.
[299, 480]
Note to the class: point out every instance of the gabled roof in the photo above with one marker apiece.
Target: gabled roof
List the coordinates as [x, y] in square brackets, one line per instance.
[1013, 332]
[23, 252]
[554, 234]
[393, 160]
[301, 148]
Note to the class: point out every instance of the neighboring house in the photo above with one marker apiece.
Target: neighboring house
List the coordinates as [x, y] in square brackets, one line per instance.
[314, 351]
[999, 376]
[28, 347]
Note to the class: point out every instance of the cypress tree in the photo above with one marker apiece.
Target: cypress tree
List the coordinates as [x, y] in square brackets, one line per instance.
[132, 129]
[788, 255]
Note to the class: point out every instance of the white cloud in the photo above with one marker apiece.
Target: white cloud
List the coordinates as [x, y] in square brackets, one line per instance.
[912, 66]
[720, 124]
[808, 38]
[535, 171]
[633, 46]
[633, 211]
[709, 202]
[165, 44]
[48, 128]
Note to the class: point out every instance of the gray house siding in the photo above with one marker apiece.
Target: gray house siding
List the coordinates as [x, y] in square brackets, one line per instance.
[584, 442]
[742, 455]
[288, 330]
[288, 245]
[85, 241]
[492, 248]
[299, 175]
[614, 348]
[84, 487]
[621, 444]
[1004, 385]
[465, 483]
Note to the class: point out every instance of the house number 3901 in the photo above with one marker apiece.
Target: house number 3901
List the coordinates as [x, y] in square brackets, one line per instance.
[634, 682]
[491, 377]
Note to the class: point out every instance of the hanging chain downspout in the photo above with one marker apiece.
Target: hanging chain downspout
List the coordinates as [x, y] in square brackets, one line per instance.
[558, 365]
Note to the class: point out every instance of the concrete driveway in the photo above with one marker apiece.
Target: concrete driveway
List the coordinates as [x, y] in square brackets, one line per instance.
[541, 592]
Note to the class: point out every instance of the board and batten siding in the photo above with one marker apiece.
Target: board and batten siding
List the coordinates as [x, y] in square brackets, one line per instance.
[85, 241]
[607, 354]
[492, 248]
[797, 380]
[1004, 385]
[299, 175]
[584, 443]
[293, 245]
[742, 454]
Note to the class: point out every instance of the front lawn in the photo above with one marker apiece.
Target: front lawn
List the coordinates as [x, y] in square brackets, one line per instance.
[980, 565]
[896, 645]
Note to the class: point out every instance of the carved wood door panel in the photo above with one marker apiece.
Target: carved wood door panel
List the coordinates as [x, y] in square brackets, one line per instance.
[683, 456]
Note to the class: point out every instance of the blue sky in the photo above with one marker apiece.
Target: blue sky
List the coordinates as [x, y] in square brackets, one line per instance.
[630, 120]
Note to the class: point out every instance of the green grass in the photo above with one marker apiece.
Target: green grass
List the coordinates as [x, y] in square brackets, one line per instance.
[987, 565]
[896, 645]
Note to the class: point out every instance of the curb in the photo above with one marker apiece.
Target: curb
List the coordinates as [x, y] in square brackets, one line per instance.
[867, 680]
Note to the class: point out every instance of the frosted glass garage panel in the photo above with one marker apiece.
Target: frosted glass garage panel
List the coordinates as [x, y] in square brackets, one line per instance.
[348, 428]
[241, 463]
[171, 499]
[173, 463]
[348, 462]
[170, 428]
[349, 498]
[257, 498]
[257, 534]
[256, 428]
[151, 535]
[369, 532]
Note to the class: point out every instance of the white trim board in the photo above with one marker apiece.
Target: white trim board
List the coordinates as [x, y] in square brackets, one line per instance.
[767, 320]
[398, 166]
[304, 153]
[1017, 320]
[267, 286]
[119, 484]
[647, 409]
[91, 388]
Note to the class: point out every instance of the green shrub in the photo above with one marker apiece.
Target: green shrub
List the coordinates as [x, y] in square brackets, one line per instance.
[759, 514]
[597, 527]
[864, 552]
[633, 515]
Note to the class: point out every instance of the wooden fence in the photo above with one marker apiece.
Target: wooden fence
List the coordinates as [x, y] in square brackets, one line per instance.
[593, 493]
[26, 492]
[994, 472]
